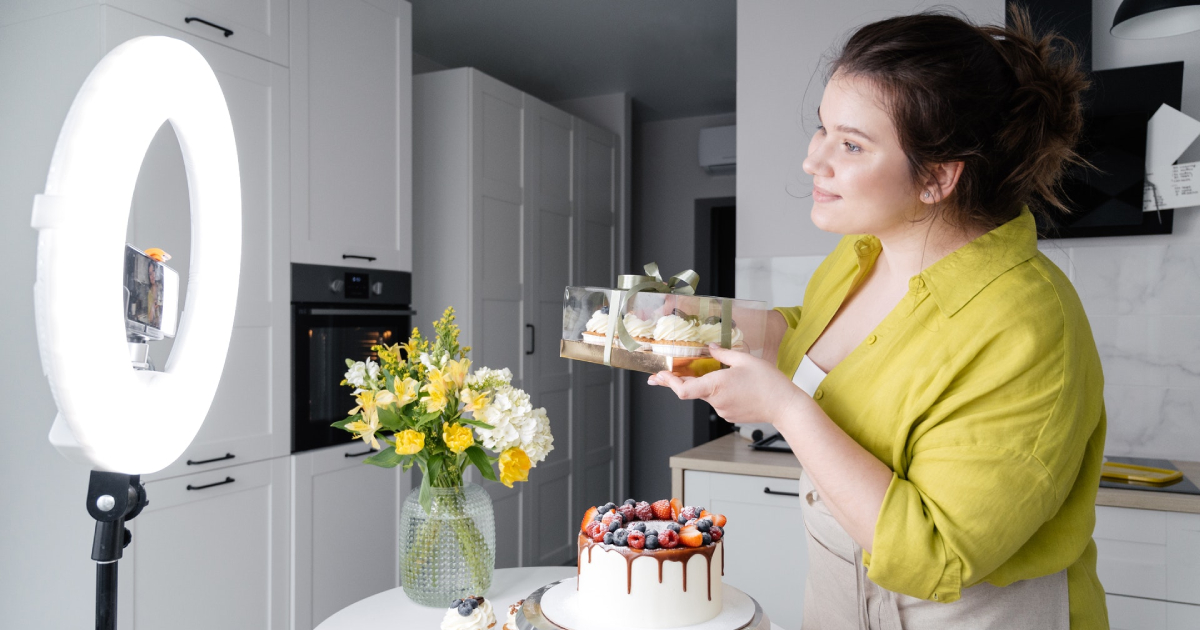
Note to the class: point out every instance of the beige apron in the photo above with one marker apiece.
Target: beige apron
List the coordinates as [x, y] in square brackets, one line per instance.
[839, 596]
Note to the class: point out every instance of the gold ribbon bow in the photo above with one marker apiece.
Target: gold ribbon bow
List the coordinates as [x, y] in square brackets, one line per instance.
[629, 285]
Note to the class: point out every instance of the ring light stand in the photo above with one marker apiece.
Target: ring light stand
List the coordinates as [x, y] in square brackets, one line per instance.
[120, 421]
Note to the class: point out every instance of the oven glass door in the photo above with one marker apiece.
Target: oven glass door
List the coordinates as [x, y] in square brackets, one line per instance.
[324, 338]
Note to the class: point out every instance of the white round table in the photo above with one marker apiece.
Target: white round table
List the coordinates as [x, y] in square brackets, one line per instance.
[393, 609]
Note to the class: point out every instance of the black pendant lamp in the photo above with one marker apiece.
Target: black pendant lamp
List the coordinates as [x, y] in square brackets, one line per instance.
[1147, 19]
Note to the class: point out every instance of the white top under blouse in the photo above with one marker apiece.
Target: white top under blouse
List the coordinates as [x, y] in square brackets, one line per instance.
[808, 376]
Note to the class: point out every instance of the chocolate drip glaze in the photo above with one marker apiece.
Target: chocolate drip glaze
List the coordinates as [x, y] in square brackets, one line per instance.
[679, 554]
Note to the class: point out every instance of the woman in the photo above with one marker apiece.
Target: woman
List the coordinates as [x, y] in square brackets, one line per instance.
[940, 385]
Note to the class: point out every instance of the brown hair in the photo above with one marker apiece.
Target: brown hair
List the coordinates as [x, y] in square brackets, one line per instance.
[1002, 100]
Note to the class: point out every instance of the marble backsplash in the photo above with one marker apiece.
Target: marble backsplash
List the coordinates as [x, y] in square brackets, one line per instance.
[1143, 302]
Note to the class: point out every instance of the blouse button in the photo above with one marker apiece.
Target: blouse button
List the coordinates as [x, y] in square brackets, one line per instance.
[819, 394]
[915, 283]
[872, 339]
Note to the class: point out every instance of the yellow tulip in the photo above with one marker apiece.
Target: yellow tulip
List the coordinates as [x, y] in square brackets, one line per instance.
[514, 466]
[474, 400]
[365, 430]
[409, 442]
[406, 391]
[457, 437]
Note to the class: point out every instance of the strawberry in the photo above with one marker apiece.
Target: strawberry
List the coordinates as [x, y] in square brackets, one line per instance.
[627, 513]
[691, 537]
[643, 511]
[676, 506]
[668, 539]
[636, 539]
[716, 532]
[588, 517]
[662, 510]
[718, 519]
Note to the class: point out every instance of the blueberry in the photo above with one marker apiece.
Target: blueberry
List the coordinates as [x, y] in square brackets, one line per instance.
[621, 537]
[608, 538]
[698, 509]
[703, 525]
[608, 507]
[707, 538]
[604, 310]
[673, 527]
[630, 502]
[456, 603]
[599, 517]
[652, 542]
[465, 609]
[682, 520]
[614, 525]
[472, 602]
[640, 526]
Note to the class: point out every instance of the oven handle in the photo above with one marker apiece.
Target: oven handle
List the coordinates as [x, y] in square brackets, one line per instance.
[358, 312]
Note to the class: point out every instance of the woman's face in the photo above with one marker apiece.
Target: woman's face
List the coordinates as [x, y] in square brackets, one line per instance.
[861, 179]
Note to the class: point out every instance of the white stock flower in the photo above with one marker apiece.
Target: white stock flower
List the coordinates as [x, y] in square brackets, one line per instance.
[360, 374]
[485, 379]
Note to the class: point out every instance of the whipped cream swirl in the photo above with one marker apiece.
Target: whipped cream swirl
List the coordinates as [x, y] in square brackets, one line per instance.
[598, 322]
[711, 333]
[638, 327]
[676, 328]
[481, 618]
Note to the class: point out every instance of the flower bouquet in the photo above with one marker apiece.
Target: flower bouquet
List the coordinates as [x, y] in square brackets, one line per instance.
[421, 401]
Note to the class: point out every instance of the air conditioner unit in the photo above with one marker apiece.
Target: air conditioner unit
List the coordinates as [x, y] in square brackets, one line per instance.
[718, 149]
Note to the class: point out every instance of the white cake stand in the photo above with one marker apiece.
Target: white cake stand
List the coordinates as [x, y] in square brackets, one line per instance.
[556, 601]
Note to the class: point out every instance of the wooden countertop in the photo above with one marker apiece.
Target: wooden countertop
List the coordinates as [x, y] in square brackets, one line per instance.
[730, 454]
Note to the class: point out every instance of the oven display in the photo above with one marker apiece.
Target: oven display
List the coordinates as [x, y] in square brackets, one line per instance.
[358, 285]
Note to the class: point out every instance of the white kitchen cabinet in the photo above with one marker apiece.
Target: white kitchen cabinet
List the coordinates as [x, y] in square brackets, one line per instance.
[351, 65]
[346, 530]
[249, 417]
[1135, 613]
[1149, 553]
[258, 27]
[211, 550]
[514, 200]
[765, 554]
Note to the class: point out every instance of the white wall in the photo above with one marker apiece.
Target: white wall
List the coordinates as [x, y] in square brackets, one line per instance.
[667, 182]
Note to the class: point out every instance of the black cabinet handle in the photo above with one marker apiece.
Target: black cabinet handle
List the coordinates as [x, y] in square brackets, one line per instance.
[532, 338]
[356, 256]
[359, 454]
[210, 485]
[209, 461]
[189, 20]
[768, 490]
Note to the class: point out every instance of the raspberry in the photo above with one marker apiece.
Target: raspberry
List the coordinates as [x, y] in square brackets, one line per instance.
[668, 539]
[689, 513]
[661, 509]
[612, 516]
[643, 511]
[598, 537]
[716, 532]
[591, 529]
[627, 512]
[636, 539]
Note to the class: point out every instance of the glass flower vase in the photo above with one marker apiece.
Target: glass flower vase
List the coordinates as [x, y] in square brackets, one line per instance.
[449, 552]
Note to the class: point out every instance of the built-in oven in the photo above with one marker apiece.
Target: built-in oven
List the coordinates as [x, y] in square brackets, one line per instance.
[338, 313]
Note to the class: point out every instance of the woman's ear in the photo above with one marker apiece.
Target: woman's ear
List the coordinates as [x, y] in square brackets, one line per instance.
[940, 182]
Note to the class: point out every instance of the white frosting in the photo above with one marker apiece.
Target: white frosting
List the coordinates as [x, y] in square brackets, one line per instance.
[711, 333]
[638, 327]
[481, 618]
[676, 328]
[598, 322]
[602, 588]
[511, 624]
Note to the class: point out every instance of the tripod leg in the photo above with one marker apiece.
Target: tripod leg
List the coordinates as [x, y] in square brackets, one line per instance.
[106, 596]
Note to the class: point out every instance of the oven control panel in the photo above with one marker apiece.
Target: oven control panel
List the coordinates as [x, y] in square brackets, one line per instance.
[319, 283]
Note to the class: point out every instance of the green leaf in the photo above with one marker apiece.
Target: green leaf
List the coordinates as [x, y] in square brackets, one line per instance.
[476, 423]
[425, 498]
[480, 459]
[341, 424]
[387, 458]
[349, 363]
[389, 419]
[435, 465]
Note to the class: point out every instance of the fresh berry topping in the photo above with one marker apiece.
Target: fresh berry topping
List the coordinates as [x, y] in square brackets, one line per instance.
[689, 513]
[668, 539]
[703, 524]
[627, 512]
[643, 511]
[598, 537]
[652, 542]
[621, 537]
[674, 527]
[682, 520]
[676, 506]
[641, 527]
[661, 509]
[636, 539]
[612, 516]
[604, 309]
[598, 517]
[691, 537]
[465, 609]
[608, 507]
[593, 528]
[588, 517]
[614, 525]
[608, 538]
[630, 502]
[690, 523]
[707, 538]
[718, 519]
[716, 532]
[456, 603]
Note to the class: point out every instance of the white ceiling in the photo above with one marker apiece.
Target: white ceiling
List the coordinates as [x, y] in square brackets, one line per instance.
[675, 58]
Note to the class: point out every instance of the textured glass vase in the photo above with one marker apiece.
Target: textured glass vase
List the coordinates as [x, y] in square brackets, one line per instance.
[449, 552]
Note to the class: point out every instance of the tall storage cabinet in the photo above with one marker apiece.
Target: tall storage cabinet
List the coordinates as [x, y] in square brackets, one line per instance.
[504, 186]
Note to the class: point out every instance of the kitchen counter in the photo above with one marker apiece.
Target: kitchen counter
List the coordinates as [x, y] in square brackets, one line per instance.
[731, 454]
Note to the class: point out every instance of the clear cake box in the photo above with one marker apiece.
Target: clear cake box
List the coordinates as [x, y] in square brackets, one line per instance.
[672, 331]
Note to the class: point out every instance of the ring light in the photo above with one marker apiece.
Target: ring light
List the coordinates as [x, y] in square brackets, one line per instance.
[111, 417]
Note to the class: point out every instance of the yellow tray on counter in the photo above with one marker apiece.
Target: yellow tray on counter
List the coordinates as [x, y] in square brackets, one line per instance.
[1143, 474]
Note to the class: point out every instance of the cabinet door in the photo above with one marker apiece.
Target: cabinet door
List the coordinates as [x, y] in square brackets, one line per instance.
[498, 323]
[352, 133]
[211, 551]
[259, 27]
[773, 573]
[550, 539]
[601, 436]
[346, 528]
[250, 414]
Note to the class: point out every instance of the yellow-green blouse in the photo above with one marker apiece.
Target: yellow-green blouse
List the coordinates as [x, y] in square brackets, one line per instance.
[982, 391]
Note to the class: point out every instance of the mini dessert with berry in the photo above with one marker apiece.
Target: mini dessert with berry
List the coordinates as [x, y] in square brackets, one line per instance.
[597, 327]
[469, 613]
[660, 563]
[511, 623]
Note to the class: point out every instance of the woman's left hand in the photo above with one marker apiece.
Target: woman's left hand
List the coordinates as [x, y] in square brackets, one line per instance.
[751, 390]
